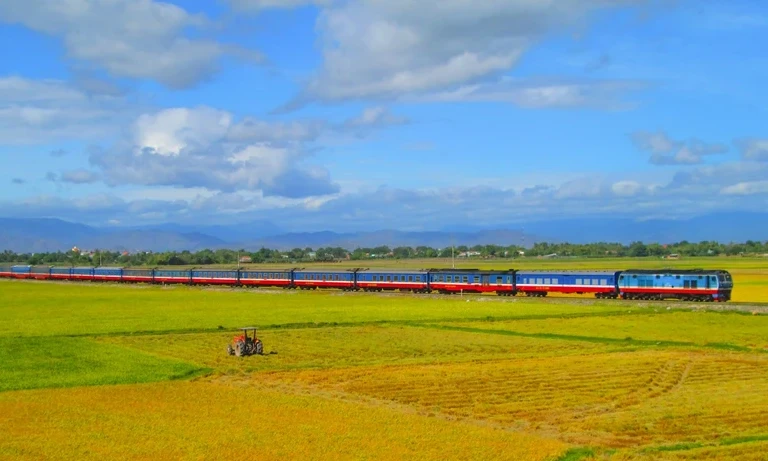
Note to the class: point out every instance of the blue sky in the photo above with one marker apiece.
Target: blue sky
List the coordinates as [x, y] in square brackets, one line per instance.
[335, 115]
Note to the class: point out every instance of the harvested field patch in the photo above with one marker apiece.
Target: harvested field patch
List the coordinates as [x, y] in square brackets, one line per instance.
[613, 400]
[204, 420]
[352, 346]
[700, 328]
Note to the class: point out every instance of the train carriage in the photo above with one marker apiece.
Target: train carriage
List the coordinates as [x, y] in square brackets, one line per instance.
[21, 271]
[108, 274]
[321, 278]
[214, 277]
[5, 270]
[266, 278]
[61, 273]
[689, 285]
[82, 273]
[472, 281]
[138, 275]
[539, 283]
[40, 272]
[172, 276]
[380, 279]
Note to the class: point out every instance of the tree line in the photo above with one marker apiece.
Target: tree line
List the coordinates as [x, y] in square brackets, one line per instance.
[329, 254]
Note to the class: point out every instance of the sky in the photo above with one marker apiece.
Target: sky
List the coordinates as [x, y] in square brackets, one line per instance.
[381, 114]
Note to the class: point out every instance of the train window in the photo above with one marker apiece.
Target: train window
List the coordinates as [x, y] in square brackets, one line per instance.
[555, 281]
[634, 277]
[658, 276]
[677, 276]
[410, 278]
[578, 281]
[464, 279]
[603, 282]
[547, 281]
[539, 281]
[586, 281]
[389, 278]
[595, 282]
[621, 277]
[713, 278]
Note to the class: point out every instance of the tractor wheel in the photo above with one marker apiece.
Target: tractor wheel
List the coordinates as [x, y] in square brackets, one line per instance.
[260, 348]
[240, 349]
[230, 351]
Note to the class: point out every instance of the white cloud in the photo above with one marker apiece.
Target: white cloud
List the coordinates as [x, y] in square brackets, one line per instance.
[38, 111]
[79, 176]
[205, 147]
[753, 148]
[257, 5]
[391, 48]
[666, 151]
[128, 38]
[535, 94]
[169, 131]
[746, 188]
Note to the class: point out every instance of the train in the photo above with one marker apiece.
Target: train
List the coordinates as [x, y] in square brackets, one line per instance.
[637, 284]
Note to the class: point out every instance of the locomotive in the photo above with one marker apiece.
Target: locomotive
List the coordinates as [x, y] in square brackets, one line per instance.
[654, 284]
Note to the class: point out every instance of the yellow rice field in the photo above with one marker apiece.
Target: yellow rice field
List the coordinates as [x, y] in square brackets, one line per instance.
[95, 372]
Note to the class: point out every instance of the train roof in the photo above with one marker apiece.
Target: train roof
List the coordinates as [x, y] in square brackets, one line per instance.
[321, 270]
[675, 271]
[471, 271]
[569, 272]
[386, 270]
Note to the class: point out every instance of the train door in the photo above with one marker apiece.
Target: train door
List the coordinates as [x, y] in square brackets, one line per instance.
[486, 280]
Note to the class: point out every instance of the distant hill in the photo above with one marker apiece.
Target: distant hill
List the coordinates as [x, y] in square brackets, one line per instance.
[42, 235]
[46, 235]
[392, 238]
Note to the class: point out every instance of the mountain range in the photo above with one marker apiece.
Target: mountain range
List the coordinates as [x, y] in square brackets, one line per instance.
[48, 234]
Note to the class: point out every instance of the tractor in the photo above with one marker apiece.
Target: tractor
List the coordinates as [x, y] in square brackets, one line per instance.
[243, 345]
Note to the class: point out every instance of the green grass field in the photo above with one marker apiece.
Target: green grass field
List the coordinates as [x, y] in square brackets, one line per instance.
[94, 371]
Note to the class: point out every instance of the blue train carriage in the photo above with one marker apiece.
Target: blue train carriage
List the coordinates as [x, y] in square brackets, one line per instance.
[108, 274]
[21, 271]
[82, 273]
[266, 278]
[5, 270]
[416, 281]
[450, 281]
[61, 273]
[539, 283]
[172, 276]
[688, 285]
[312, 279]
[215, 277]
